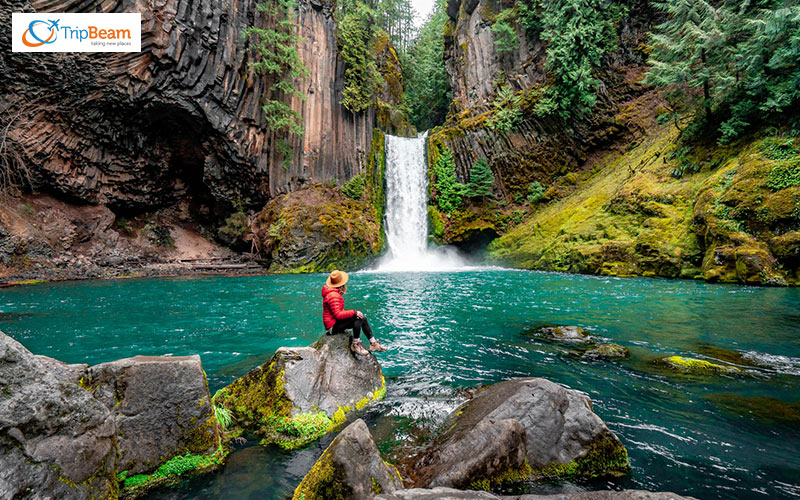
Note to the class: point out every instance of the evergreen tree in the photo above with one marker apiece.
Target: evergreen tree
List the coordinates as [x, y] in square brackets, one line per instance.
[427, 85]
[276, 57]
[448, 190]
[481, 180]
[356, 35]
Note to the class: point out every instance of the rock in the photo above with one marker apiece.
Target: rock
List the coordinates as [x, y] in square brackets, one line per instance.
[351, 468]
[451, 494]
[563, 437]
[608, 351]
[74, 373]
[764, 410]
[437, 494]
[565, 333]
[694, 366]
[161, 406]
[56, 441]
[491, 452]
[303, 393]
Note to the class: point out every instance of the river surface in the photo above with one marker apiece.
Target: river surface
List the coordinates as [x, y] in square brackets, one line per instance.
[452, 331]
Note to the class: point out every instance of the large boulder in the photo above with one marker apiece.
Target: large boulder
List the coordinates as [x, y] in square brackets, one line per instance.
[303, 393]
[451, 494]
[56, 440]
[161, 406]
[351, 468]
[563, 438]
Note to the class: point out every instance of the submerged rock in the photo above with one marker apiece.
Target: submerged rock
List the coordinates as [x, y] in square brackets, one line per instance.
[726, 355]
[765, 410]
[56, 441]
[608, 351]
[351, 468]
[694, 366]
[565, 333]
[303, 393]
[161, 406]
[451, 494]
[482, 448]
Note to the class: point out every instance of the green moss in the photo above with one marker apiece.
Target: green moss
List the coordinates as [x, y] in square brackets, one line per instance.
[696, 366]
[170, 471]
[323, 482]
[765, 410]
[510, 475]
[605, 457]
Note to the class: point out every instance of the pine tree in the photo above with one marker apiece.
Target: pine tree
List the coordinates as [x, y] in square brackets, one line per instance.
[688, 51]
[481, 180]
[276, 57]
[355, 36]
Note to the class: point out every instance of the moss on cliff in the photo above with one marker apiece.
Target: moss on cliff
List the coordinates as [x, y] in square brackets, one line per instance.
[631, 216]
[319, 229]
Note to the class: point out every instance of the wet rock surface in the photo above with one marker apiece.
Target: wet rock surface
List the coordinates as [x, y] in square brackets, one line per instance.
[161, 406]
[304, 392]
[563, 437]
[607, 351]
[350, 468]
[451, 494]
[56, 440]
[574, 334]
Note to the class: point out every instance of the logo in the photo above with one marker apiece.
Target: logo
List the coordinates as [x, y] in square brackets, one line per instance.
[70, 32]
[52, 25]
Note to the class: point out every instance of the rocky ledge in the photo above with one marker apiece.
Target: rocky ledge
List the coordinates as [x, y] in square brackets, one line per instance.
[303, 393]
[112, 430]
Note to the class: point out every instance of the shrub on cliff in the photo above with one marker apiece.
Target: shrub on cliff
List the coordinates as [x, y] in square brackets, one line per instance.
[448, 190]
[481, 180]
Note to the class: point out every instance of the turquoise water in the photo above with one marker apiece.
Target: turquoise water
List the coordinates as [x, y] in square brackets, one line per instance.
[452, 331]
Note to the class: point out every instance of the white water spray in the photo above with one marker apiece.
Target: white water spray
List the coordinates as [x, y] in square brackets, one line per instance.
[406, 219]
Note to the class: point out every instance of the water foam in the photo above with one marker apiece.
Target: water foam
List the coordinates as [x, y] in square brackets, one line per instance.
[406, 220]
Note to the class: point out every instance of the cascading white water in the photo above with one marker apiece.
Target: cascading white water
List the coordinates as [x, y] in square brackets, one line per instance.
[406, 221]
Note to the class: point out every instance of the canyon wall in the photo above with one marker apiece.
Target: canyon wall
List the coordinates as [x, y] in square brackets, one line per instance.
[183, 117]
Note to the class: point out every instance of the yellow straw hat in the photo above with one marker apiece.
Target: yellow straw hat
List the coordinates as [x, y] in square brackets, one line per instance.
[337, 279]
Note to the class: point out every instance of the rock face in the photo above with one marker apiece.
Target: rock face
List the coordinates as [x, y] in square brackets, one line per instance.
[302, 393]
[56, 441]
[351, 468]
[451, 494]
[563, 437]
[161, 406]
[183, 117]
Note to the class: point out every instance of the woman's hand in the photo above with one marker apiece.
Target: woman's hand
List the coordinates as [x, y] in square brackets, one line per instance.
[360, 315]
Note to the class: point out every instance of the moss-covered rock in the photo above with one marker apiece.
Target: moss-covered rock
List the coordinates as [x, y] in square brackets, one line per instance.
[561, 437]
[564, 333]
[351, 468]
[632, 216]
[765, 410]
[607, 351]
[303, 393]
[693, 366]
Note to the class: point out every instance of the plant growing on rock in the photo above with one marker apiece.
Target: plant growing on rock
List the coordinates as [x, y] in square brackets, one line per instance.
[481, 180]
[448, 191]
[354, 188]
[535, 192]
[276, 56]
[507, 112]
[505, 34]
[355, 35]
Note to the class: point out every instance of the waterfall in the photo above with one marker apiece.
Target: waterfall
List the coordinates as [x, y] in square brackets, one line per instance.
[406, 219]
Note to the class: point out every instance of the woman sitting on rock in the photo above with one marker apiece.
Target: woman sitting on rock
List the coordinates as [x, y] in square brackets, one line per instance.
[337, 319]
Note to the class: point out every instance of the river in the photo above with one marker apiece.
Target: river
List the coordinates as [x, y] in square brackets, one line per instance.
[454, 330]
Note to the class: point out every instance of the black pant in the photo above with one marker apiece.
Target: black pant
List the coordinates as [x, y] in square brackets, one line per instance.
[356, 324]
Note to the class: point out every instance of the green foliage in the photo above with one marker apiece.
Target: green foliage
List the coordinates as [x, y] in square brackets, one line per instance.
[535, 192]
[224, 416]
[685, 164]
[354, 188]
[179, 465]
[447, 189]
[739, 61]
[507, 113]
[784, 176]
[286, 152]
[505, 34]
[579, 33]
[137, 480]
[355, 35]
[306, 424]
[275, 49]
[481, 180]
[779, 148]
[158, 235]
[437, 222]
[236, 225]
[427, 85]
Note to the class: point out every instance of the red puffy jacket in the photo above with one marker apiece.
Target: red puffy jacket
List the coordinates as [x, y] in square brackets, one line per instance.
[333, 307]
